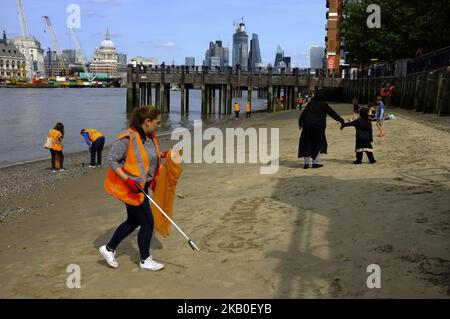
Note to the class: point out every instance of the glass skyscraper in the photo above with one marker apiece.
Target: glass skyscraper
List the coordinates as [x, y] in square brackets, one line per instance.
[240, 48]
[255, 53]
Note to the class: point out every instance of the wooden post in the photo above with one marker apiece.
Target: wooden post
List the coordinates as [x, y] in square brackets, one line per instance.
[203, 111]
[168, 98]
[444, 106]
[183, 79]
[137, 97]
[158, 96]
[130, 94]
[220, 100]
[187, 100]
[213, 88]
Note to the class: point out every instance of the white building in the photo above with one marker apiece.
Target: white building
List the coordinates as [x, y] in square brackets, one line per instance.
[145, 61]
[36, 54]
[12, 61]
[105, 59]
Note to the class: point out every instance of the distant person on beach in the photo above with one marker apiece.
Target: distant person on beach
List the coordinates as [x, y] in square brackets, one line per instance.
[134, 160]
[95, 141]
[390, 94]
[237, 109]
[380, 116]
[312, 123]
[364, 138]
[356, 108]
[383, 92]
[248, 110]
[56, 135]
[372, 113]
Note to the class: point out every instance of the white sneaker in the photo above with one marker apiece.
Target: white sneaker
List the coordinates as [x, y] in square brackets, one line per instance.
[109, 256]
[90, 166]
[150, 264]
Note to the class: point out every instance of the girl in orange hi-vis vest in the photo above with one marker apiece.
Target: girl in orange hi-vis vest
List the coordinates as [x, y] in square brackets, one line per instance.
[56, 135]
[134, 160]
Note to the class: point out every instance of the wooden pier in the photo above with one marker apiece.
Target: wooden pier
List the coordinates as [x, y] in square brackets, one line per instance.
[229, 85]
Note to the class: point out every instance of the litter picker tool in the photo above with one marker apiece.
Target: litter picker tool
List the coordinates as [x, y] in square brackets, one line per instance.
[190, 242]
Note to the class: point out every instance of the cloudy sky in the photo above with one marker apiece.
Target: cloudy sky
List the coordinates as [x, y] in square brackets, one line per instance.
[170, 30]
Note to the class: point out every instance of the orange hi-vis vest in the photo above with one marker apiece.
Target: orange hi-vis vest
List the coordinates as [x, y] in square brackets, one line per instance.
[136, 167]
[383, 92]
[237, 108]
[56, 137]
[247, 108]
[93, 134]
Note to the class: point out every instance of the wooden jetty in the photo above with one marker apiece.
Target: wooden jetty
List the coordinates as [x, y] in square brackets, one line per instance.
[271, 86]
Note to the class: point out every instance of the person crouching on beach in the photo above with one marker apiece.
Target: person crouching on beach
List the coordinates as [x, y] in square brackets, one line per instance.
[134, 159]
[96, 141]
[56, 135]
[380, 116]
[364, 138]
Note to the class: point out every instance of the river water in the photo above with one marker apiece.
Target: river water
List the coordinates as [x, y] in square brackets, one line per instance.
[26, 116]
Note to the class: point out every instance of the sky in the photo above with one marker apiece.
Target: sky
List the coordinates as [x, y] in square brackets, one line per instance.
[171, 30]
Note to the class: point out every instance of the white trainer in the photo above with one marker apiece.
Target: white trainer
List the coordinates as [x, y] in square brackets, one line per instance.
[150, 264]
[109, 256]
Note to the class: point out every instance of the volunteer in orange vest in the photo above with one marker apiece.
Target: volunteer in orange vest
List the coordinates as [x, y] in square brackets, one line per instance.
[389, 93]
[383, 93]
[96, 141]
[248, 110]
[57, 134]
[134, 160]
[237, 109]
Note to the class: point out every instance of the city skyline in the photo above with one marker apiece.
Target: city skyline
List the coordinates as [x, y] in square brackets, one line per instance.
[169, 42]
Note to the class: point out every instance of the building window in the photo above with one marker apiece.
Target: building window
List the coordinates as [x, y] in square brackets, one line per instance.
[1, 63]
[7, 64]
[13, 64]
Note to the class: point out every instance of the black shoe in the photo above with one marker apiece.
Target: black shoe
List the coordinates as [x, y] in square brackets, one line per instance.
[317, 166]
[373, 162]
[356, 162]
[306, 166]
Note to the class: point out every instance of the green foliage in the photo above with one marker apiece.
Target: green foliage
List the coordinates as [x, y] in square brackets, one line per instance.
[406, 26]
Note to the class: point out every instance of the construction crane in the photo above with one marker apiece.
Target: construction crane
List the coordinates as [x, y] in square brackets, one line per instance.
[25, 35]
[79, 53]
[59, 55]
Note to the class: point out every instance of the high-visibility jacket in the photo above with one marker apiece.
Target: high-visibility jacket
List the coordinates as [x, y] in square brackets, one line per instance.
[383, 92]
[164, 194]
[237, 108]
[136, 167]
[93, 134]
[248, 108]
[56, 137]
[391, 90]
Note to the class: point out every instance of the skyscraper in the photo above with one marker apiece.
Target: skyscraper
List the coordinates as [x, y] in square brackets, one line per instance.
[255, 53]
[287, 63]
[316, 57]
[240, 47]
[189, 61]
[216, 55]
[279, 57]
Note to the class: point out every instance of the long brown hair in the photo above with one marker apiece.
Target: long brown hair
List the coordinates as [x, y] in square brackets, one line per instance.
[60, 127]
[139, 116]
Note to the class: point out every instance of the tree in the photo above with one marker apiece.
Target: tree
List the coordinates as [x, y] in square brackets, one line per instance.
[406, 25]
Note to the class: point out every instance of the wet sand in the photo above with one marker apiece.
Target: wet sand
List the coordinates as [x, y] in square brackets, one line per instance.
[295, 234]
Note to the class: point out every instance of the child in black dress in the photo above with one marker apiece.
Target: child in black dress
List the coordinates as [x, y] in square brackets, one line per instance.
[364, 138]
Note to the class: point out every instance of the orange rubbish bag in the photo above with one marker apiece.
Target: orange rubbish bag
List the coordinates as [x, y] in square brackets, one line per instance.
[164, 193]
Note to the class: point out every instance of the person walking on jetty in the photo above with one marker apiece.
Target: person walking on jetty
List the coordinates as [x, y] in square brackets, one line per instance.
[134, 160]
[248, 110]
[380, 116]
[56, 135]
[95, 141]
[364, 137]
[237, 109]
[312, 123]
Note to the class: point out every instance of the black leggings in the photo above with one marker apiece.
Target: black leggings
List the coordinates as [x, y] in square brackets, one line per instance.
[61, 156]
[359, 157]
[136, 216]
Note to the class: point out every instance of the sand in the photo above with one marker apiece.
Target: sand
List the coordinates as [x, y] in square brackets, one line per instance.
[295, 234]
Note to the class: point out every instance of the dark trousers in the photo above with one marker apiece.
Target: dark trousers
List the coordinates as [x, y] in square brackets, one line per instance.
[248, 114]
[136, 216]
[236, 114]
[96, 149]
[61, 156]
[359, 157]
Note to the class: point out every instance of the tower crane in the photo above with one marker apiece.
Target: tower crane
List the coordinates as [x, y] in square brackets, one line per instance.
[79, 53]
[59, 55]
[25, 35]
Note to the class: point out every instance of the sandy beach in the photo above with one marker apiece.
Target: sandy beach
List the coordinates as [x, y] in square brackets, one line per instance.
[295, 234]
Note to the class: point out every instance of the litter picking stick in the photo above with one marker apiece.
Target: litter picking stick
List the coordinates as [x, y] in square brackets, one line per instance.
[190, 242]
